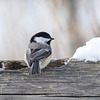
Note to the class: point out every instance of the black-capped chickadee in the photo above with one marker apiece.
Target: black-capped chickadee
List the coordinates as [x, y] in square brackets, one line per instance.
[38, 54]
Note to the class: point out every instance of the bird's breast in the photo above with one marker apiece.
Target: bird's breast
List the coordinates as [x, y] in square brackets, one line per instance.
[44, 62]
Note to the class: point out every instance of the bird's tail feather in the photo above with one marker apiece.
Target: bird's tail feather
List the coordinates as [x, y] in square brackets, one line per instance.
[35, 68]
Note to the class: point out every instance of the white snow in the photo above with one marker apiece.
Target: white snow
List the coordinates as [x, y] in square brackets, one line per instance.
[89, 52]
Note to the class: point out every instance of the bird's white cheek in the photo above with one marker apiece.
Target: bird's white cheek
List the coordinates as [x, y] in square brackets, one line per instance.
[44, 62]
[41, 39]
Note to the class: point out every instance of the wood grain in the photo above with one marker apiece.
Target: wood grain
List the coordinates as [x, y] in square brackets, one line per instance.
[77, 79]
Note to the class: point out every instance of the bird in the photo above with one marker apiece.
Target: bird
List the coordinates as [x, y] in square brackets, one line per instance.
[39, 52]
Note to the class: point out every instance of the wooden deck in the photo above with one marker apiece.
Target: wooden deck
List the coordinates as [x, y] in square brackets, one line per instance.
[77, 80]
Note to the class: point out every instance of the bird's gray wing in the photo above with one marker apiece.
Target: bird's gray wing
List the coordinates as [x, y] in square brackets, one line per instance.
[34, 57]
[37, 54]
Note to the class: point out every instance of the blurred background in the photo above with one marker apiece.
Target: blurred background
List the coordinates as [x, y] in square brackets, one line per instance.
[70, 22]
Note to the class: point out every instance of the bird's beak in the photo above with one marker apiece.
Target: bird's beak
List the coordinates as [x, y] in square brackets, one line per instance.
[52, 38]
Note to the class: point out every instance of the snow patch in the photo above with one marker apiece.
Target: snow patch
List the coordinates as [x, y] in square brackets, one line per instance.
[89, 52]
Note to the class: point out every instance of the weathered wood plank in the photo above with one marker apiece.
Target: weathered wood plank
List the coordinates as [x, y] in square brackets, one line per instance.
[78, 78]
[41, 97]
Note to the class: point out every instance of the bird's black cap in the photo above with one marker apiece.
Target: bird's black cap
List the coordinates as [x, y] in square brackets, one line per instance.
[41, 34]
